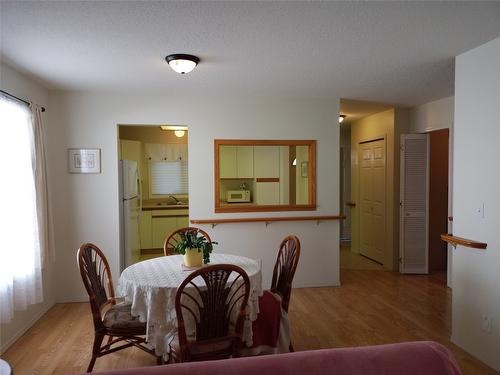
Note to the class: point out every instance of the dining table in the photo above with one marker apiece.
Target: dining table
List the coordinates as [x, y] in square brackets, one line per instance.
[150, 286]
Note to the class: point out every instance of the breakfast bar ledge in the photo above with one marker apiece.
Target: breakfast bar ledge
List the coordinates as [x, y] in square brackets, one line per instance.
[267, 220]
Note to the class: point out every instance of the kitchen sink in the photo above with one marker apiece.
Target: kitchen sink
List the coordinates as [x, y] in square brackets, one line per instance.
[180, 203]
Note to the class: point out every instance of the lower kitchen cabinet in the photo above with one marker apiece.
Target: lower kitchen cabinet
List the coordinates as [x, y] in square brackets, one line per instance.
[157, 224]
[145, 229]
[161, 227]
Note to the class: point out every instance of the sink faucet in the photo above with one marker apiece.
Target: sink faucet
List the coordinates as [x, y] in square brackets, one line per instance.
[175, 199]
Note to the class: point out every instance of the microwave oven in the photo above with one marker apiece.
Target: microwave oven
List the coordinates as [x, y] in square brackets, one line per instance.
[234, 196]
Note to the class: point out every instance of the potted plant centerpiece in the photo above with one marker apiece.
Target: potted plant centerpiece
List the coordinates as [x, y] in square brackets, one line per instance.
[195, 248]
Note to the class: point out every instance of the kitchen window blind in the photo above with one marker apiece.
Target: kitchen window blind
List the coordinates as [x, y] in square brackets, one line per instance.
[169, 177]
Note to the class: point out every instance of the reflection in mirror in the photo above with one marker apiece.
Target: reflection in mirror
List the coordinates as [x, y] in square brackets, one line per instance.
[264, 175]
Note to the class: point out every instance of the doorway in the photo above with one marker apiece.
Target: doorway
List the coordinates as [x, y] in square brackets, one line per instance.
[372, 191]
[153, 183]
[438, 199]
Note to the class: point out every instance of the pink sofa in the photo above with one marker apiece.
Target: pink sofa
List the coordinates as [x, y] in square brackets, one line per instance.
[411, 358]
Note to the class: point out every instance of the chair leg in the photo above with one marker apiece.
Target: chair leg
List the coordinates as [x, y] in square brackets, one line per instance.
[291, 347]
[159, 360]
[95, 350]
[110, 338]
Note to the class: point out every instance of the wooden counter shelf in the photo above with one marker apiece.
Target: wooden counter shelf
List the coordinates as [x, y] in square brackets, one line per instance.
[267, 220]
[454, 240]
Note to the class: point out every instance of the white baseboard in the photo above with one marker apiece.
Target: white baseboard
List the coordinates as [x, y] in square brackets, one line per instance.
[5, 345]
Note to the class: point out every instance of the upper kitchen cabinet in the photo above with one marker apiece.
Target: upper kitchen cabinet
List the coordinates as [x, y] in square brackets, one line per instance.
[266, 161]
[165, 152]
[265, 175]
[236, 162]
[130, 150]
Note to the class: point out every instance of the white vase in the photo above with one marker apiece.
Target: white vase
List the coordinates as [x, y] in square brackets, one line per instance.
[193, 257]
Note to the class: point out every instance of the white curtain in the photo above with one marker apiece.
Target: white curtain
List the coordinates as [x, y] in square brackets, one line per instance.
[45, 228]
[20, 256]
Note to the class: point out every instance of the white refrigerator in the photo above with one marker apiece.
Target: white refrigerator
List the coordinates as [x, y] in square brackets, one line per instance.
[130, 207]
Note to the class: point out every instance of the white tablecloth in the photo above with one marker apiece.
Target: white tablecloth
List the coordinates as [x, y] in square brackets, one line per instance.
[151, 286]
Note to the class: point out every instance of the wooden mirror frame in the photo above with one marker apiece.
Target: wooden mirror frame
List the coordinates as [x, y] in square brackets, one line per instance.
[266, 208]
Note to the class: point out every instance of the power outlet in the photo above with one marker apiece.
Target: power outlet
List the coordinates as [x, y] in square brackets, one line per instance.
[487, 324]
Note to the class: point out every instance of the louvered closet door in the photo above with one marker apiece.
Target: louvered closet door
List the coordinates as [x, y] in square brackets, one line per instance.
[414, 203]
[372, 190]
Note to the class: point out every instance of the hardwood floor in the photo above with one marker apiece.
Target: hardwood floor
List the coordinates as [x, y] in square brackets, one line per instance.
[371, 307]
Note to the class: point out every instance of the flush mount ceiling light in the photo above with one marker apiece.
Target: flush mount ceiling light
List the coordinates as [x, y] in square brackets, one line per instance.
[341, 118]
[179, 130]
[182, 63]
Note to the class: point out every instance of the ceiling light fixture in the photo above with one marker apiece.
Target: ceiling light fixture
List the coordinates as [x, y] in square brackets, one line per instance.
[179, 130]
[182, 63]
[341, 118]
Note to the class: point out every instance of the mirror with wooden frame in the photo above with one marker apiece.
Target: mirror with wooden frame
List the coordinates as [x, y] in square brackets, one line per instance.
[265, 175]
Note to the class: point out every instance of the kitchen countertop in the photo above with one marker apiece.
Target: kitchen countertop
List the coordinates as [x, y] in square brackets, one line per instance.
[159, 204]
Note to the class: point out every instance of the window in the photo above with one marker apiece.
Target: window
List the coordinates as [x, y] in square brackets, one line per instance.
[20, 260]
[168, 177]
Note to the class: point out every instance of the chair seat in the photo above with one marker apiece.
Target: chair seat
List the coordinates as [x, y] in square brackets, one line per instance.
[120, 317]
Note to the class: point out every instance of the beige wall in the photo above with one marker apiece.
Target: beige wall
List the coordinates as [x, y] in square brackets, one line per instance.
[388, 125]
[476, 279]
[87, 207]
[301, 183]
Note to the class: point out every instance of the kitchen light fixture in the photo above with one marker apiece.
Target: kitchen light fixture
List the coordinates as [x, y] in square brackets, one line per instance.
[341, 118]
[179, 130]
[182, 63]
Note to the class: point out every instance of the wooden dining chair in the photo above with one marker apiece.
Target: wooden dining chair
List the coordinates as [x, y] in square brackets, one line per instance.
[271, 328]
[216, 306]
[111, 319]
[173, 239]
[284, 269]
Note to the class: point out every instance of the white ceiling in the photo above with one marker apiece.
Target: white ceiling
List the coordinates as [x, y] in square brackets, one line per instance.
[356, 109]
[394, 52]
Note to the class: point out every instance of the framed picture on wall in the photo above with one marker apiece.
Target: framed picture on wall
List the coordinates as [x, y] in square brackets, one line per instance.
[304, 166]
[84, 160]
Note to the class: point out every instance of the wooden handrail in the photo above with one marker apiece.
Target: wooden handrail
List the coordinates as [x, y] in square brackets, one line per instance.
[267, 220]
[454, 240]
[350, 204]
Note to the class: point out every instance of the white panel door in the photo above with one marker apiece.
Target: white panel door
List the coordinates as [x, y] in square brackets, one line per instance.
[414, 204]
[372, 191]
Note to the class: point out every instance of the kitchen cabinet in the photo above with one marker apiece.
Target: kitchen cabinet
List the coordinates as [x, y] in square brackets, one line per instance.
[244, 161]
[160, 228]
[166, 152]
[266, 161]
[145, 229]
[236, 162]
[228, 166]
[267, 193]
[157, 224]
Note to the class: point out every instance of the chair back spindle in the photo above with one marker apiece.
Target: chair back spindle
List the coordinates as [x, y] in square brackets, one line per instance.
[216, 305]
[97, 279]
[284, 269]
[173, 239]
